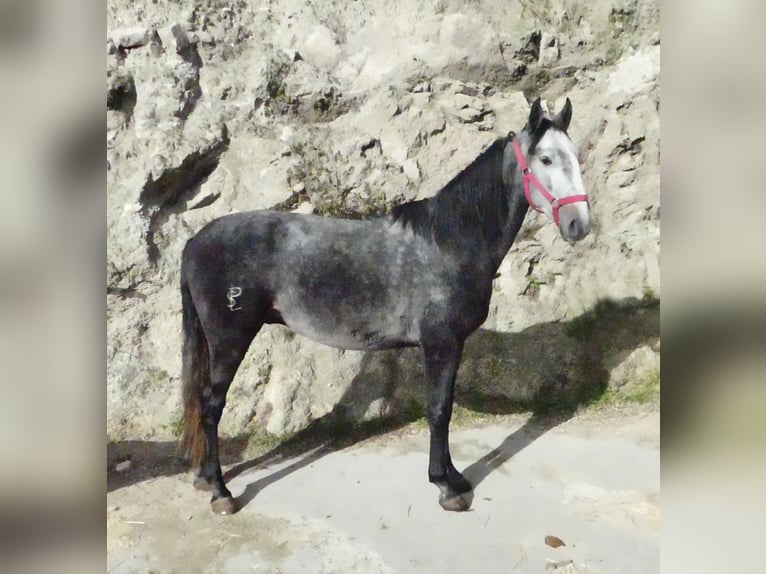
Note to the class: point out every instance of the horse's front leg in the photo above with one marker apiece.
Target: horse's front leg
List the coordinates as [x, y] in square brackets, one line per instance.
[441, 363]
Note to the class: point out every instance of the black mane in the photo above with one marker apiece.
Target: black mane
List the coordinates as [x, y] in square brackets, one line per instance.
[474, 202]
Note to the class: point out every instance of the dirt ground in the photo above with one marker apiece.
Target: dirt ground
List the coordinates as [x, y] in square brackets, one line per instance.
[592, 481]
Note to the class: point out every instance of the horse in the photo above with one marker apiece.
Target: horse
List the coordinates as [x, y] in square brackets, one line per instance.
[419, 275]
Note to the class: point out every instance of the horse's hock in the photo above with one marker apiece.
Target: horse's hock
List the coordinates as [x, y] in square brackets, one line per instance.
[566, 323]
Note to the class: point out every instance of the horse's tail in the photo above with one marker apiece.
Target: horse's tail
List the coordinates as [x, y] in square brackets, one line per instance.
[195, 375]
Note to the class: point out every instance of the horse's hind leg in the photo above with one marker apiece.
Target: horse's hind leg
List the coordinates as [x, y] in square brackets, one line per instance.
[441, 364]
[225, 356]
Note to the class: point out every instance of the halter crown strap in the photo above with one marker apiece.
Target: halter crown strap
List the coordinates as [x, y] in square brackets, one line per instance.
[529, 177]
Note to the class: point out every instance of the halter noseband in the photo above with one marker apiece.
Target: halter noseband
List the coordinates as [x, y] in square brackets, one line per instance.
[529, 177]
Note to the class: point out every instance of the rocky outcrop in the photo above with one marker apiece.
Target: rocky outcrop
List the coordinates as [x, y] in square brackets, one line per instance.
[350, 108]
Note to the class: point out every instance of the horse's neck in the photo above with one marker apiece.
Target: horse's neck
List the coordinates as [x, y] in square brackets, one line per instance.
[517, 211]
[484, 244]
[482, 253]
[476, 216]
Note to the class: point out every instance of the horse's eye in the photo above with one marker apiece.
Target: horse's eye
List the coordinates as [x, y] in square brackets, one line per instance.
[546, 160]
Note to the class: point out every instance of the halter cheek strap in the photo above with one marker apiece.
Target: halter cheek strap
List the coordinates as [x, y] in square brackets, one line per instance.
[529, 177]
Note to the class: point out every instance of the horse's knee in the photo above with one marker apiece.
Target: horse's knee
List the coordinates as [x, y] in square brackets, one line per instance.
[439, 416]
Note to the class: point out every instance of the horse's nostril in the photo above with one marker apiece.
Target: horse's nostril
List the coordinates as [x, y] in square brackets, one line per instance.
[574, 228]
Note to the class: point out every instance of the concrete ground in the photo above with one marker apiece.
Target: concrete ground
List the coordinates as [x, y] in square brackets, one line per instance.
[593, 482]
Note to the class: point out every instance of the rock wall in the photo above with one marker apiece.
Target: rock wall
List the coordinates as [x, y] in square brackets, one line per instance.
[345, 109]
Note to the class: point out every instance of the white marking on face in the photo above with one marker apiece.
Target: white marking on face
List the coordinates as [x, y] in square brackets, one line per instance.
[554, 163]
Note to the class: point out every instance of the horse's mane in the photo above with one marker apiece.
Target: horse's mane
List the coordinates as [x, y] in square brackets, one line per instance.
[474, 204]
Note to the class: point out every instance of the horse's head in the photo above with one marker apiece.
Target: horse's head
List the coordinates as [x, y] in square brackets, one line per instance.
[546, 160]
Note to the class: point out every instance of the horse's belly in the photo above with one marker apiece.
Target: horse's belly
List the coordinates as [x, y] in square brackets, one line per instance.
[354, 337]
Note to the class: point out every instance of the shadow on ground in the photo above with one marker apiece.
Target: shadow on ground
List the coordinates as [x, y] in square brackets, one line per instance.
[549, 369]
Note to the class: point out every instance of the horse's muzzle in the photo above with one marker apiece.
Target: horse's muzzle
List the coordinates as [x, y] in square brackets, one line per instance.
[573, 224]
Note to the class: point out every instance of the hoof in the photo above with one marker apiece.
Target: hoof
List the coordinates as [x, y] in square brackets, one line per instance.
[224, 505]
[202, 484]
[456, 502]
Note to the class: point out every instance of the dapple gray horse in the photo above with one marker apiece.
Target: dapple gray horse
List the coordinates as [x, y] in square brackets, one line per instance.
[418, 276]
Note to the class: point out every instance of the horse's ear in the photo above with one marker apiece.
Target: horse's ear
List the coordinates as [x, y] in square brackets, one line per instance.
[563, 118]
[535, 115]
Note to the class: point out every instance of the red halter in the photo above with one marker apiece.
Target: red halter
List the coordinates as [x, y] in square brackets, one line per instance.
[530, 177]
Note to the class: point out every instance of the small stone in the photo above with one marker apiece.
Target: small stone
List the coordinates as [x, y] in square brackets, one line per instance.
[411, 170]
[549, 50]
[392, 145]
[122, 466]
[487, 123]
[421, 87]
[432, 123]
[299, 187]
[462, 101]
[131, 38]
[469, 115]
[367, 145]
[293, 55]
[554, 541]
[305, 207]
[471, 90]
[547, 40]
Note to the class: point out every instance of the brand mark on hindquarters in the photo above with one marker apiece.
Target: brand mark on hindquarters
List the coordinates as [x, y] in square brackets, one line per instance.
[232, 295]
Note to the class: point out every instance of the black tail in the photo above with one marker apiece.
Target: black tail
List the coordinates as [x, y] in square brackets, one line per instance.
[196, 372]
